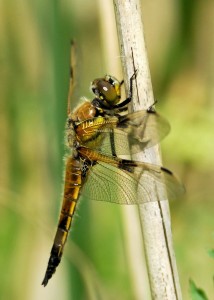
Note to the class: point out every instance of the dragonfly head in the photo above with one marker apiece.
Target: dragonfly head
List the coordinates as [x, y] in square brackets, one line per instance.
[107, 89]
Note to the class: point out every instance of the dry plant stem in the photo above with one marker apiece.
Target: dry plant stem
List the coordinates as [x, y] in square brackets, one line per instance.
[154, 216]
[133, 244]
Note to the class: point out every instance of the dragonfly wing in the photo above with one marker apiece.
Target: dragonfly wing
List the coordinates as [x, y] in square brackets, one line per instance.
[144, 129]
[130, 182]
[131, 133]
[107, 183]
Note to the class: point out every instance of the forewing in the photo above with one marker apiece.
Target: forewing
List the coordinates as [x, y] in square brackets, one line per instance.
[131, 133]
[144, 129]
[131, 183]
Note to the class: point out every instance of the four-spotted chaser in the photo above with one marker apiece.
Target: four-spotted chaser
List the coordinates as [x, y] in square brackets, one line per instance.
[98, 133]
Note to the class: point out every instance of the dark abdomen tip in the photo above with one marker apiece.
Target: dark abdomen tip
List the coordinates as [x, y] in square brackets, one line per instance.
[53, 262]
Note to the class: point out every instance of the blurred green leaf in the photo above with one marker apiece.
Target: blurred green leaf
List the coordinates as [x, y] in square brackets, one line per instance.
[196, 293]
[211, 253]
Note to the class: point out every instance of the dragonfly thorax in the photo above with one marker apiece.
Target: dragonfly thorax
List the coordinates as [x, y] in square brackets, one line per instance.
[84, 112]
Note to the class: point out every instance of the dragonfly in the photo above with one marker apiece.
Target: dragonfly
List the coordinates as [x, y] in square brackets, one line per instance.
[98, 133]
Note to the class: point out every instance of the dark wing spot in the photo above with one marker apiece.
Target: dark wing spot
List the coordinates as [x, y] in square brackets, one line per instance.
[166, 170]
[126, 165]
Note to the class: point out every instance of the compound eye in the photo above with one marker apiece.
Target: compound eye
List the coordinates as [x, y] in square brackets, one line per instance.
[107, 89]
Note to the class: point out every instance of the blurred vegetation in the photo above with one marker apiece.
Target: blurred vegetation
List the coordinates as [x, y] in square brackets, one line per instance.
[34, 57]
[196, 293]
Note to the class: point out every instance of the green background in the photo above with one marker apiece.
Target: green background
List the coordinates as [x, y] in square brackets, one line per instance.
[34, 69]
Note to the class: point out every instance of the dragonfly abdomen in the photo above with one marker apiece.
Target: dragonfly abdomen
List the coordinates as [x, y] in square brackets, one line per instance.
[73, 183]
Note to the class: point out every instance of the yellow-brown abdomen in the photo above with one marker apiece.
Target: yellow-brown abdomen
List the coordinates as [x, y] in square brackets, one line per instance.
[73, 181]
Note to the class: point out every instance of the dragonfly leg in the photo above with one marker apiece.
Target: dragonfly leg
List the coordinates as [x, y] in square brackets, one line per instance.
[129, 99]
